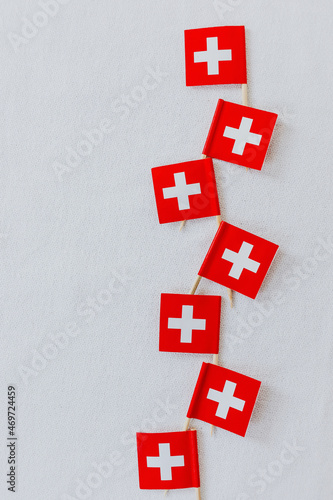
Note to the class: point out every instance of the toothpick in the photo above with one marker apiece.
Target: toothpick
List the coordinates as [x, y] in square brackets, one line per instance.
[244, 94]
[197, 493]
[185, 428]
[187, 424]
[230, 297]
[195, 285]
[215, 362]
[182, 224]
[244, 102]
[218, 217]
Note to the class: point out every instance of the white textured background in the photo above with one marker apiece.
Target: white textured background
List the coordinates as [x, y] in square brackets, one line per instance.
[85, 248]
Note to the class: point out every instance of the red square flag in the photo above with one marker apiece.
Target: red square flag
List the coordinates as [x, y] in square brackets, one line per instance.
[215, 55]
[190, 323]
[239, 134]
[238, 260]
[168, 460]
[185, 191]
[224, 398]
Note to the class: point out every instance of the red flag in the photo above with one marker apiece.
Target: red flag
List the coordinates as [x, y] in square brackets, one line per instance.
[185, 191]
[239, 134]
[215, 55]
[238, 260]
[168, 460]
[190, 323]
[224, 398]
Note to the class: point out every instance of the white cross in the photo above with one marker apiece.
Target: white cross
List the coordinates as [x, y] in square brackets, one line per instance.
[240, 260]
[242, 135]
[226, 399]
[181, 191]
[186, 324]
[212, 56]
[165, 461]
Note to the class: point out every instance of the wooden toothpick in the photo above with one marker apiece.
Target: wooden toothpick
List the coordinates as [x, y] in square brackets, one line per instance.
[182, 224]
[187, 424]
[244, 102]
[215, 362]
[230, 297]
[197, 281]
[195, 285]
[244, 94]
[197, 490]
[185, 428]
[218, 217]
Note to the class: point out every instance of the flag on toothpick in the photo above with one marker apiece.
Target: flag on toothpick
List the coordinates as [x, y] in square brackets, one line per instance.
[224, 398]
[190, 323]
[168, 460]
[240, 134]
[185, 191]
[215, 55]
[238, 260]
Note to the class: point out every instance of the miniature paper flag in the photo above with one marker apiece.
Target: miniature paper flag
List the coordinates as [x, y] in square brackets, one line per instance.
[190, 323]
[185, 191]
[224, 398]
[215, 55]
[238, 259]
[240, 134]
[168, 460]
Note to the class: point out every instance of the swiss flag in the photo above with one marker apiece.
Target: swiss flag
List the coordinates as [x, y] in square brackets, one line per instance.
[190, 323]
[238, 259]
[224, 398]
[215, 55]
[168, 460]
[239, 134]
[185, 191]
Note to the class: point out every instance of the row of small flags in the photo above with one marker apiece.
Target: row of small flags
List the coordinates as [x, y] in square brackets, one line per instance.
[236, 259]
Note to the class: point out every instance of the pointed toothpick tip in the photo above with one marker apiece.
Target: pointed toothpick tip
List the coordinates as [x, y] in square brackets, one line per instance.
[230, 297]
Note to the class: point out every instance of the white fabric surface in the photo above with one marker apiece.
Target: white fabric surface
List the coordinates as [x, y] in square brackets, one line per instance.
[63, 243]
